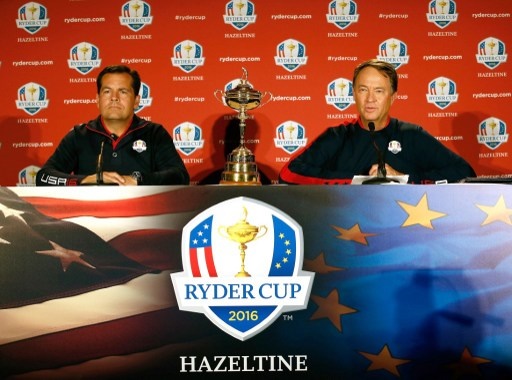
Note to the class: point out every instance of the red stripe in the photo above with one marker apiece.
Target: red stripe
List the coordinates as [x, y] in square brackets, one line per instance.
[120, 337]
[163, 252]
[209, 262]
[194, 263]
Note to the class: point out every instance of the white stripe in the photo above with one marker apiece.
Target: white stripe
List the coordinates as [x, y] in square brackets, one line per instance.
[92, 193]
[109, 228]
[149, 292]
[201, 259]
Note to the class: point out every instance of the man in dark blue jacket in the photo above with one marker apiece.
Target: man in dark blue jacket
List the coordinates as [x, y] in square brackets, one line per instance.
[342, 152]
[117, 147]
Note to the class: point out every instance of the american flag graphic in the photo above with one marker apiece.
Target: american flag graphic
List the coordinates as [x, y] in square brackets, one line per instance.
[126, 10]
[201, 255]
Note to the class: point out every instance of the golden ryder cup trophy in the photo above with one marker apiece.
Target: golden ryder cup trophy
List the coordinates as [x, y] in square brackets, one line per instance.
[242, 233]
[241, 168]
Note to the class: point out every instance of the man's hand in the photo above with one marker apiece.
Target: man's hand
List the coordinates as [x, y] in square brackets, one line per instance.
[389, 170]
[111, 178]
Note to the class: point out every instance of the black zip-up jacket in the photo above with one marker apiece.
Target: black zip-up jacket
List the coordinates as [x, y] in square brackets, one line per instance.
[342, 152]
[146, 148]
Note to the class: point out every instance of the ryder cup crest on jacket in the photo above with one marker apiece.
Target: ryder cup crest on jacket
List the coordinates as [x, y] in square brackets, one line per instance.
[242, 266]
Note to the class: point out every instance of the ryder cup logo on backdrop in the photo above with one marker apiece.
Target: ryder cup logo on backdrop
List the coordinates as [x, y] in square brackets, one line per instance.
[145, 98]
[442, 92]
[291, 54]
[442, 12]
[342, 13]
[84, 57]
[242, 266]
[187, 56]
[491, 52]
[290, 136]
[188, 137]
[493, 132]
[136, 15]
[240, 13]
[32, 98]
[394, 52]
[32, 17]
[340, 93]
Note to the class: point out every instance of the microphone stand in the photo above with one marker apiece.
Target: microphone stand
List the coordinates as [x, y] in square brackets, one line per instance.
[381, 165]
[99, 171]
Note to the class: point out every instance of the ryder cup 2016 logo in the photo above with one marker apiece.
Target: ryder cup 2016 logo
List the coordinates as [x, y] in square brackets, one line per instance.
[242, 262]
[291, 54]
[32, 17]
[136, 15]
[340, 93]
[442, 12]
[187, 56]
[145, 97]
[32, 98]
[188, 137]
[342, 13]
[27, 176]
[84, 57]
[239, 14]
[493, 132]
[290, 136]
[442, 92]
[394, 52]
[491, 52]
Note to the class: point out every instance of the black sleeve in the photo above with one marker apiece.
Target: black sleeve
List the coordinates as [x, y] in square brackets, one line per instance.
[169, 168]
[437, 162]
[58, 170]
[314, 164]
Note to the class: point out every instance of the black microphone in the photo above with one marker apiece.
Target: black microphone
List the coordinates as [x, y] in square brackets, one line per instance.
[99, 166]
[381, 164]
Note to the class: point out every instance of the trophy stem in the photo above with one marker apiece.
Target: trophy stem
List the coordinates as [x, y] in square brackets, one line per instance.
[242, 117]
[242, 272]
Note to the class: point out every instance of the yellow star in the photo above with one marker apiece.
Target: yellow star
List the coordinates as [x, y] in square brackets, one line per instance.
[468, 365]
[318, 265]
[384, 360]
[497, 213]
[66, 256]
[353, 234]
[420, 214]
[330, 308]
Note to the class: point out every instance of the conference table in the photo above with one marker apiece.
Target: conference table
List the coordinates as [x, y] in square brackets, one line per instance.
[397, 281]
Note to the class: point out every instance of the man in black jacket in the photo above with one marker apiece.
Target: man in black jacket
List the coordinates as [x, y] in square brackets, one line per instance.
[117, 147]
[341, 152]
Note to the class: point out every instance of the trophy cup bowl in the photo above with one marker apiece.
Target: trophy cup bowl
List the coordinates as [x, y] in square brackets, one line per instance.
[242, 232]
[240, 167]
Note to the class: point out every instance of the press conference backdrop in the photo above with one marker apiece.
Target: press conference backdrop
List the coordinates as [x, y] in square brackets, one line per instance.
[451, 57]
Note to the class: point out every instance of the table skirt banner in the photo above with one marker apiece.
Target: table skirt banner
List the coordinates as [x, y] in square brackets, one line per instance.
[411, 282]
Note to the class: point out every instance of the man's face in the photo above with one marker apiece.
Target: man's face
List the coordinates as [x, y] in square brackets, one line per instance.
[373, 96]
[117, 100]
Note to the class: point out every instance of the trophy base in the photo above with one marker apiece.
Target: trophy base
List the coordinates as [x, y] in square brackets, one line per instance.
[240, 168]
[242, 274]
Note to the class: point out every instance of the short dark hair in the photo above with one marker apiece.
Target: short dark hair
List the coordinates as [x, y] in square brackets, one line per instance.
[385, 68]
[120, 69]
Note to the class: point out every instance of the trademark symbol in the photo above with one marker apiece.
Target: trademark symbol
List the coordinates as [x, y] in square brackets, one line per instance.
[287, 317]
